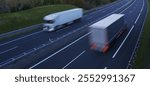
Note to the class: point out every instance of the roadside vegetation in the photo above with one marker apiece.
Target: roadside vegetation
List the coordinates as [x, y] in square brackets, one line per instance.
[142, 59]
[16, 20]
[16, 14]
[17, 5]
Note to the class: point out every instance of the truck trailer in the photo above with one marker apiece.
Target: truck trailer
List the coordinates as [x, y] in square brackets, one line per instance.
[57, 20]
[105, 31]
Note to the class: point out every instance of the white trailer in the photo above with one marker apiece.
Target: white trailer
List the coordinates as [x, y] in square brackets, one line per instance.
[105, 31]
[57, 20]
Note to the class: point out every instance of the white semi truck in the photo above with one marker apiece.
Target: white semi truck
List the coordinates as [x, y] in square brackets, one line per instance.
[57, 20]
[105, 31]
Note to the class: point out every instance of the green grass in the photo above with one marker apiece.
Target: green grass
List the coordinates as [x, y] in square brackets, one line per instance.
[17, 20]
[142, 59]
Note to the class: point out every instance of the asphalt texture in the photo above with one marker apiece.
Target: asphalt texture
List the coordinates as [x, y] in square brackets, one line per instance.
[77, 54]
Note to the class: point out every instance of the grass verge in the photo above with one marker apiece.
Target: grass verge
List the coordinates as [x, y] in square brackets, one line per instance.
[17, 20]
[142, 59]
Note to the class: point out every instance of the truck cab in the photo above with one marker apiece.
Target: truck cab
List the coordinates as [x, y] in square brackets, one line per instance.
[57, 20]
[49, 24]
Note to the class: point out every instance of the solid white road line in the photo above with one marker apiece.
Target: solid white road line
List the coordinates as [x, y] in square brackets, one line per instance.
[112, 12]
[127, 35]
[74, 59]
[20, 38]
[42, 31]
[139, 36]
[137, 18]
[123, 42]
[102, 9]
[60, 50]
[25, 36]
[69, 44]
[139, 13]
[128, 7]
[8, 50]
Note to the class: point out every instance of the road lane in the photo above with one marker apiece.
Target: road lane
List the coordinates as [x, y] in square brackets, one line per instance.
[92, 59]
[127, 50]
[37, 39]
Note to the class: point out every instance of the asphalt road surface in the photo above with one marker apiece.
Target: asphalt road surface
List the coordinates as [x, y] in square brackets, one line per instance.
[77, 54]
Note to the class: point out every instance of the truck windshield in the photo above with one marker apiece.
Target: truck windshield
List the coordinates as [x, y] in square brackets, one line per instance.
[50, 21]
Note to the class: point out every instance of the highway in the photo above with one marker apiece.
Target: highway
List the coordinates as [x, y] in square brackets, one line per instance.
[13, 48]
[77, 53]
[36, 39]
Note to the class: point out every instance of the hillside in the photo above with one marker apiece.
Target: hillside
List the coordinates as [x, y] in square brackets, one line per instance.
[16, 14]
[17, 5]
[16, 20]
